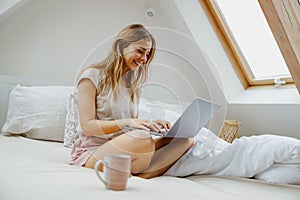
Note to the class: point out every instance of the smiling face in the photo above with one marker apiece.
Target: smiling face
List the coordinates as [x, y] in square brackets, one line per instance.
[136, 54]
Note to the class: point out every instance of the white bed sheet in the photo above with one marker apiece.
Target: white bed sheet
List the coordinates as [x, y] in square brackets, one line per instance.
[34, 169]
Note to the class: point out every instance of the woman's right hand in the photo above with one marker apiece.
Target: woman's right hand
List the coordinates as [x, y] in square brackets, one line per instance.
[137, 123]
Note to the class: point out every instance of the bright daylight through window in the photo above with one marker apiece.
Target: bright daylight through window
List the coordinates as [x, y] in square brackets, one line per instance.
[253, 38]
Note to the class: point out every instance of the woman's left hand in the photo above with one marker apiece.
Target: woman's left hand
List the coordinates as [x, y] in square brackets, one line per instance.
[159, 124]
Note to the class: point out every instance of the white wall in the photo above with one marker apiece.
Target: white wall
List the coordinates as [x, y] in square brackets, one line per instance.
[49, 39]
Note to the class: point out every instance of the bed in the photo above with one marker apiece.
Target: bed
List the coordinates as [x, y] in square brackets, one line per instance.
[36, 165]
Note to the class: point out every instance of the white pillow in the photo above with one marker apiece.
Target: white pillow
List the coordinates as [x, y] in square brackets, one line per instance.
[286, 173]
[72, 128]
[37, 112]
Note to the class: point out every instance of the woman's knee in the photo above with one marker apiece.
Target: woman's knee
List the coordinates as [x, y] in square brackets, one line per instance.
[141, 141]
[144, 148]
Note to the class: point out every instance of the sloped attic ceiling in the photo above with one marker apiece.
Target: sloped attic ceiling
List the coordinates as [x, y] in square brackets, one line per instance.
[10, 7]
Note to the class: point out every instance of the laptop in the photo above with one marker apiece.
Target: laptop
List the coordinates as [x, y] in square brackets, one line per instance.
[195, 116]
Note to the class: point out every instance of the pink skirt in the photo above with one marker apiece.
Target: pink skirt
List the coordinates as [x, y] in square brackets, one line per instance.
[84, 147]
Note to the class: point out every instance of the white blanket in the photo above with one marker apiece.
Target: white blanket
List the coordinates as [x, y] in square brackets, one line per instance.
[245, 157]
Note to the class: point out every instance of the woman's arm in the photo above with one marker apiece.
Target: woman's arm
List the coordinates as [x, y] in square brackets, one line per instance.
[87, 112]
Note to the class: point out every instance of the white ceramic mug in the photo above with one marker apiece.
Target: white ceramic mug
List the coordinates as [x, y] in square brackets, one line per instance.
[116, 170]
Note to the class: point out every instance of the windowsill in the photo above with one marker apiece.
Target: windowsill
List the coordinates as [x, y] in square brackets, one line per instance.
[286, 94]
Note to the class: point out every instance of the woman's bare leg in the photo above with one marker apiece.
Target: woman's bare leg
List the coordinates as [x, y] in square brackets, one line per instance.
[168, 151]
[138, 144]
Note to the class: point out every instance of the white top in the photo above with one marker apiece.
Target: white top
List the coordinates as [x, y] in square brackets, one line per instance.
[106, 106]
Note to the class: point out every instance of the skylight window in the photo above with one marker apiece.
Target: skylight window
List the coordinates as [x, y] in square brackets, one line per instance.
[253, 36]
[260, 38]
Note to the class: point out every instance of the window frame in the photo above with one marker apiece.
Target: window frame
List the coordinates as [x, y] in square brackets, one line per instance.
[283, 17]
[233, 50]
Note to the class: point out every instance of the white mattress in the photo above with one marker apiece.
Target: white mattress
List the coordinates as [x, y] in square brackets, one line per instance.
[34, 170]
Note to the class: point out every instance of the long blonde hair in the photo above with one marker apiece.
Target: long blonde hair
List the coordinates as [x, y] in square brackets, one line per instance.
[112, 65]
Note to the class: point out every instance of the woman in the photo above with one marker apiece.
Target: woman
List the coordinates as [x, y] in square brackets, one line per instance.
[108, 98]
